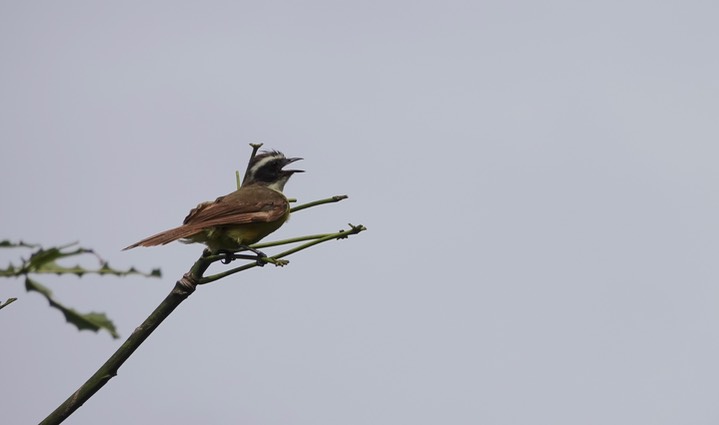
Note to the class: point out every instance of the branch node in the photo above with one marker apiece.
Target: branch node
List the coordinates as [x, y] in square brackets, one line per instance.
[186, 285]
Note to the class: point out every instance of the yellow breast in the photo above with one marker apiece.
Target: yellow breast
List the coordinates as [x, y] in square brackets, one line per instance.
[232, 237]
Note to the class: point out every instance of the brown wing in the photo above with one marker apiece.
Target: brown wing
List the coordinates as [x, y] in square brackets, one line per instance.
[251, 204]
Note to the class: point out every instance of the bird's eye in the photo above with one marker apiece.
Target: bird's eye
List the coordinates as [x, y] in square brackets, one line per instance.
[270, 171]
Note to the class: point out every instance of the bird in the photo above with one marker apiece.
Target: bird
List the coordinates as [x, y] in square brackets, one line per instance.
[234, 221]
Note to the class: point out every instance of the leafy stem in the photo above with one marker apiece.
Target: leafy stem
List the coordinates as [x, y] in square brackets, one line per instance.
[43, 261]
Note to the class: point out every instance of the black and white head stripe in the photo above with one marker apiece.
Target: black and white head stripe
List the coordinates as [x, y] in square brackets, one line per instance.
[266, 169]
[271, 160]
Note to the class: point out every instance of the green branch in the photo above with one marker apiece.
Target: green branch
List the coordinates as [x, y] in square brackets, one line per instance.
[183, 289]
[276, 259]
[329, 200]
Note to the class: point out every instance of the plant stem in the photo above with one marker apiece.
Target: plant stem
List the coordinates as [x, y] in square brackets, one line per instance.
[183, 289]
[255, 148]
[290, 240]
[315, 239]
[329, 200]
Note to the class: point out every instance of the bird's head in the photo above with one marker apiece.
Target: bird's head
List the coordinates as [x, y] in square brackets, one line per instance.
[266, 169]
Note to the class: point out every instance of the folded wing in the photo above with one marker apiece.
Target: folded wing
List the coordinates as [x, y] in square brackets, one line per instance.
[230, 209]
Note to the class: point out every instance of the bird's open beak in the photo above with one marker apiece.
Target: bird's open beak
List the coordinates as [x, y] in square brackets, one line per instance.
[290, 161]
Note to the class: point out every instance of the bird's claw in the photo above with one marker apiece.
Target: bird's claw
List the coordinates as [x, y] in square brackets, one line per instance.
[230, 256]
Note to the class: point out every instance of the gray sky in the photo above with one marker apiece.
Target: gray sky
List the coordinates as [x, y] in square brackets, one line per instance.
[538, 180]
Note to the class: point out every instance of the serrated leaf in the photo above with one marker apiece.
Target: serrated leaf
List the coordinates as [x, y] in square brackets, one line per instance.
[45, 261]
[90, 321]
[31, 285]
[44, 256]
[52, 267]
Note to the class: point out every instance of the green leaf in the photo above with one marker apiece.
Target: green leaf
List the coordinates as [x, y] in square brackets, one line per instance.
[44, 256]
[9, 271]
[10, 244]
[91, 321]
[7, 303]
[44, 260]
[31, 285]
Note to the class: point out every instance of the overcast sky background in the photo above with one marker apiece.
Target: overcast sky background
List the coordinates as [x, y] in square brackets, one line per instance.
[539, 180]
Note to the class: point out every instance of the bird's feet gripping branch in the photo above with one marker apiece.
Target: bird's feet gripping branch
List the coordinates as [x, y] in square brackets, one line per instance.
[241, 218]
[231, 256]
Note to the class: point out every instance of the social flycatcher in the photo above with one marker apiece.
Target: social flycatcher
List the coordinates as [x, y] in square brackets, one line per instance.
[241, 218]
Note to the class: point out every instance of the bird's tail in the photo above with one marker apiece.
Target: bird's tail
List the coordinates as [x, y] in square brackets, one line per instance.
[165, 237]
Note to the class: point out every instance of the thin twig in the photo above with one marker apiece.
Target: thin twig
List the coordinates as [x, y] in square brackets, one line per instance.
[342, 234]
[289, 241]
[329, 200]
[255, 148]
